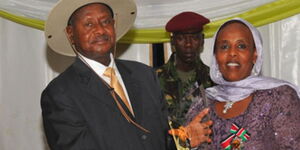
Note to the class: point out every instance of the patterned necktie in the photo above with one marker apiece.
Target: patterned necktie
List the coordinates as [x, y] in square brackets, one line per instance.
[114, 83]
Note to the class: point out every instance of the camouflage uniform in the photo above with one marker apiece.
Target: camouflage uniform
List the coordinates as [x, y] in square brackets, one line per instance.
[180, 95]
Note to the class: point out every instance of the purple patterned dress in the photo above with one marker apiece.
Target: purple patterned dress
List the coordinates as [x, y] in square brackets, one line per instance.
[272, 120]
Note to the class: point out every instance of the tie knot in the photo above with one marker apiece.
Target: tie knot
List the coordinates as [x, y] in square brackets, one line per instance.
[109, 72]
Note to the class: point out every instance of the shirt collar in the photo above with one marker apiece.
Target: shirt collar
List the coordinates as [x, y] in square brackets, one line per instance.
[96, 66]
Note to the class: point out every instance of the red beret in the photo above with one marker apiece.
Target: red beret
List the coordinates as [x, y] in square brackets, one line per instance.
[186, 21]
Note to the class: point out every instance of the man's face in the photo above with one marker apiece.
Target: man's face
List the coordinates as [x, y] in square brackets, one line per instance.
[188, 45]
[92, 31]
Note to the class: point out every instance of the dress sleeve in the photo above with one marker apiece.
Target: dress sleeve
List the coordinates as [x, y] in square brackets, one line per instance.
[194, 109]
[286, 119]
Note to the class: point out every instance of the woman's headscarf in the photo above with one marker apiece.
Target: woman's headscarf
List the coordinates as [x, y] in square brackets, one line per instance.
[238, 90]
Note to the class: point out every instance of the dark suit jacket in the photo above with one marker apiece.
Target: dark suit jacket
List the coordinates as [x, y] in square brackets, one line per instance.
[79, 113]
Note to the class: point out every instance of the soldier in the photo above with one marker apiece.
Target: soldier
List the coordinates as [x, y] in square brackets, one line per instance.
[183, 74]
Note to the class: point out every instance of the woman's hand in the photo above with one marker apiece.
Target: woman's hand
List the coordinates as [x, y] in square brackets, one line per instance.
[197, 131]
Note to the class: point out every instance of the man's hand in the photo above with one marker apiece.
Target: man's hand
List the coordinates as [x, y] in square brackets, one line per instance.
[197, 131]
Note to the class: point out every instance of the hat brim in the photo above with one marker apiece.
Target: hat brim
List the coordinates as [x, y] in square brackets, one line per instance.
[124, 15]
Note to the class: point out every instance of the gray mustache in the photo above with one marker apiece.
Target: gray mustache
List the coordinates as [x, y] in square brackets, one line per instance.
[102, 37]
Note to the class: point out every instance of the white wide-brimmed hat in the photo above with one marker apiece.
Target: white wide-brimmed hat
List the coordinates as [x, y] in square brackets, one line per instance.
[55, 26]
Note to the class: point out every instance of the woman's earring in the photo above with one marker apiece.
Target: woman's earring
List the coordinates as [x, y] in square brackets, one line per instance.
[254, 72]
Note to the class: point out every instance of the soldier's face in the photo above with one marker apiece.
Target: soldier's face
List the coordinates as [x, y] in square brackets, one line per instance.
[188, 45]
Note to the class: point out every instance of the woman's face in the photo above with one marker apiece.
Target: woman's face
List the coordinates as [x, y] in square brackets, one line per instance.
[235, 51]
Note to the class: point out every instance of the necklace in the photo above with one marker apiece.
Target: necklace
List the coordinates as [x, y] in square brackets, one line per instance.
[227, 106]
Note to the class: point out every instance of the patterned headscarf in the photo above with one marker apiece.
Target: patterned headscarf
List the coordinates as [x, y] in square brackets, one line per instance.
[238, 90]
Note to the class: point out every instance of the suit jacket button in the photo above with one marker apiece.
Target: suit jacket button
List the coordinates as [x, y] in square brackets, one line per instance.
[144, 137]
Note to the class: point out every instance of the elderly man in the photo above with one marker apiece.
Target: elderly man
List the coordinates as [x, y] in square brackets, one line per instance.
[99, 102]
[183, 74]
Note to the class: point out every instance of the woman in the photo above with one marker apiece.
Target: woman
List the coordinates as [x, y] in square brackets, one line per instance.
[249, 111]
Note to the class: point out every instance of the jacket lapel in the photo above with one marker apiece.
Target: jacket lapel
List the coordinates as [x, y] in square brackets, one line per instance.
[92, 84]
[133, 89]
